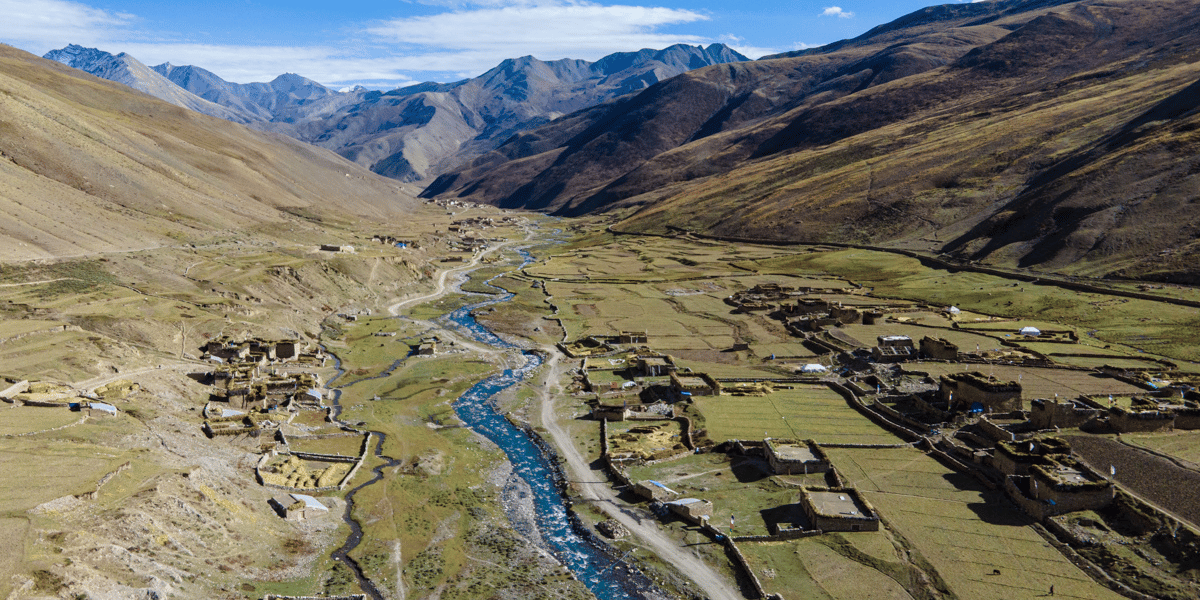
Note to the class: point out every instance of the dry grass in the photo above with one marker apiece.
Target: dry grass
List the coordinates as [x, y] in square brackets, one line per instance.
[810, 412]
[963, 530]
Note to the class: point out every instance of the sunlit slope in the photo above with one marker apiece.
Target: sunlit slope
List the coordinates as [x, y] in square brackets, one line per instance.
[1055, 135]
[89, 165]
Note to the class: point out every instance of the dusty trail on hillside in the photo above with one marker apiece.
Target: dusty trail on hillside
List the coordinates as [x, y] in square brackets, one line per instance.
[593, 487]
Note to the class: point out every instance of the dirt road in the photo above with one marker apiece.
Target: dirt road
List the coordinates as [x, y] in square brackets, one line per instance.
[714, 585]
[440, 288]
[592, 486]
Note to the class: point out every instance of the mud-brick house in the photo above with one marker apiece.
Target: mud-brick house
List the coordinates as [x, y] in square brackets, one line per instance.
[299, 507]
[653, 365]
[694, 384]
[1048, 414]
[792, 457]
[633, 337]
[1015, 458]
[1067, 485]
[806, 306]
[976, 391]
[894, 348]
[838, 509]
[1124, 420]
[938, 349]
[691, 508]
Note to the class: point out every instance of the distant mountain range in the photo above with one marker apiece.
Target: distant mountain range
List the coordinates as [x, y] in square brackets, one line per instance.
[415, 132]
[1054, 134]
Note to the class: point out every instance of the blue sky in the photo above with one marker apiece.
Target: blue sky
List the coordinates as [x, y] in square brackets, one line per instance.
[398, 42]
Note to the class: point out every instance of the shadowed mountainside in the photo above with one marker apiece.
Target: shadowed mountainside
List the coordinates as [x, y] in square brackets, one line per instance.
[420, 131]
[1048, 134]
[87, 165]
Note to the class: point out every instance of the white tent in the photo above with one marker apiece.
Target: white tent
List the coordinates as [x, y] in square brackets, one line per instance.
[1030, 331]
[813, 368]
[954, 310]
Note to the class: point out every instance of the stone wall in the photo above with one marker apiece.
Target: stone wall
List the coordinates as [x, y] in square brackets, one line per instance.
[1127, 421]
[1045, 414]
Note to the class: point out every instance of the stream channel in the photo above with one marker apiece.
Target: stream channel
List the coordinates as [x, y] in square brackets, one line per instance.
[591, 561]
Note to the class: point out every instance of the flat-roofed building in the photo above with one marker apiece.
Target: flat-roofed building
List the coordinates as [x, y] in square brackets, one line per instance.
[653, 365]
[791, 457]
[694, 384]
[976, 391]
[838, 509]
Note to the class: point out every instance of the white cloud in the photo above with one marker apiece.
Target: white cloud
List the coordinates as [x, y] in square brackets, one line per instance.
[42, 25]
[244, 64]
[836, 11]
[465, 39]
[547, 29]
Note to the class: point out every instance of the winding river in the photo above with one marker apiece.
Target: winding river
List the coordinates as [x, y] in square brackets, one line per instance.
[590, 560]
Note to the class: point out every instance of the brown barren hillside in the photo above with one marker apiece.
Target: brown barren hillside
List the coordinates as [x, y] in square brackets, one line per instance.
[87, 166]
[1055, 135]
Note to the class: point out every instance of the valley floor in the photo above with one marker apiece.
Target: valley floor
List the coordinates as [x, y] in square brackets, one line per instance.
[145, 501]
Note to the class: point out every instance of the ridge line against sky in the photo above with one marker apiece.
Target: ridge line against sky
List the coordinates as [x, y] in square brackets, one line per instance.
[390, 44]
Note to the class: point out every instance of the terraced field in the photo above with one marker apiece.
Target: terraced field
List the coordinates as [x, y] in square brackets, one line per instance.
[965, 531]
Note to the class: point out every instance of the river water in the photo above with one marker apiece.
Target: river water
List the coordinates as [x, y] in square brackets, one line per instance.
[591, 561]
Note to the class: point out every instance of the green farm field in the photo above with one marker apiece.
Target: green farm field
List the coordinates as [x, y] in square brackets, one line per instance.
[1184, 445]
[965, 531]
[808, 568]
[808, 412]
[1155, 327]
[19, 420]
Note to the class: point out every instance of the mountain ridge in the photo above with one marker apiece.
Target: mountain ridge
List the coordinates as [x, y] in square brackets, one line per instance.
[415, 132]
[936, 132]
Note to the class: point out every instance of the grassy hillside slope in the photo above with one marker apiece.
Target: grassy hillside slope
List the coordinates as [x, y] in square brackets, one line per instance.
[87, 165]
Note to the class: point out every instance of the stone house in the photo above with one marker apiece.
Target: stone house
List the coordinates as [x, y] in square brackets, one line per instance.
[938, 349]
[633, 337]
[691, 508]
[1015, 458]
[299, 507]
[1124, 420]
[846, 315]
[653, 365]
[807, 306]
[965, 391]
[894, 348]
[428, 347]
[1048, 414]
[838, 509]
[792, 457]
[652, 490]
[101, 409]
[694, 384]
[1065, 485]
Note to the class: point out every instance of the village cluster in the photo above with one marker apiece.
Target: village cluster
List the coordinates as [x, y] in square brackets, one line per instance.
[930, 394]
[268, 390]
